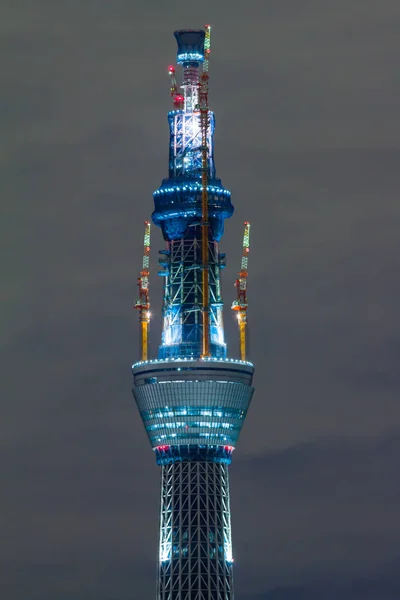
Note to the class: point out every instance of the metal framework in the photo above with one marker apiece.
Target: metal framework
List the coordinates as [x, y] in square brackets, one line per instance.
[195, 561]
[183, 293]
[204, 121]
[143, 302]
[240, 304]
[186, 145]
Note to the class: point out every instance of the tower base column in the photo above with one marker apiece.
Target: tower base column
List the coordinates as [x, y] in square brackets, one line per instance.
[195, 561]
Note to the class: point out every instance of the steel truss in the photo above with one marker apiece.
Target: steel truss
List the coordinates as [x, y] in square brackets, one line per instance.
[183, 295]
[185, 146]
[195, 561]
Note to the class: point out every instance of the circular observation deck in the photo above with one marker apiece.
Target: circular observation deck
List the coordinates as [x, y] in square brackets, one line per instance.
[193, 403]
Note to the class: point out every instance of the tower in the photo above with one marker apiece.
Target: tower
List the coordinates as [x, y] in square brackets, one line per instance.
[192, 398]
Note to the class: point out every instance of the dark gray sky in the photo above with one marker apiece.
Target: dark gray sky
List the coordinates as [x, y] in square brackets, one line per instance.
[306, 95]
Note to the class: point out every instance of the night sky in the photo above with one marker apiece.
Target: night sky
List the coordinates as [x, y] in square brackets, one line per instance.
[306, 96]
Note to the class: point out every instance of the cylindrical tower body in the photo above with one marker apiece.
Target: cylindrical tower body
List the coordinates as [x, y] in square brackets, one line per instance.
[193, 408]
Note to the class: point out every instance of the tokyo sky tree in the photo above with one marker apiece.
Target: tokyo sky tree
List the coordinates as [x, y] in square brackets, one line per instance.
[192, 398]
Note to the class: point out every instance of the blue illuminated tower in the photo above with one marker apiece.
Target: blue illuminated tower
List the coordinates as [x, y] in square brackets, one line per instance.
[192, 405]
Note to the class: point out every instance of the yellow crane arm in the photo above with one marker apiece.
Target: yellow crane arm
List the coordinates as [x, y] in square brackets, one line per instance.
[204, 119]
[240, 304]
[143, 302]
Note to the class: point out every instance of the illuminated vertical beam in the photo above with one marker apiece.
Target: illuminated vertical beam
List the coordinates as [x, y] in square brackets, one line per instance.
[204, 237]
[242, 334]
[143, 302]
[204, 120]
[145, 339]
[240, 304]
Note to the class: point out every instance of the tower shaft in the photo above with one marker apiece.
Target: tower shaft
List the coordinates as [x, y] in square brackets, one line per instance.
[192, 399]
[195, 532]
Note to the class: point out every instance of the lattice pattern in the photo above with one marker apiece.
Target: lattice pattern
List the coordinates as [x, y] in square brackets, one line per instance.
[195, 560]
[182, 327]
[185, 145]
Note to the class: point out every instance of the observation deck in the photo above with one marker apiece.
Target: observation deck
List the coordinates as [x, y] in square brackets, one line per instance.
[187, 403]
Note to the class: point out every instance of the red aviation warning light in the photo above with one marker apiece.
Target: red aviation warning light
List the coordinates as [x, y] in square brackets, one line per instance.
[240, 304]
[143, 302]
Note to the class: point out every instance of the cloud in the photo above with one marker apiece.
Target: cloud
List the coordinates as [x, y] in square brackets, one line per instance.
[316, 516]
[360, 589]
[307, 139]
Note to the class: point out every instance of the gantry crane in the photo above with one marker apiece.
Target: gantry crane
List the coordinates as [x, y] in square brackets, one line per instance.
[204, 122]
[240, 304]
[177, 97]
[143, 302]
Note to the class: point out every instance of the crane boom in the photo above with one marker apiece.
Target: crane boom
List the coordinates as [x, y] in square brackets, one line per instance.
[177, 97]
[204, 122]
[207, 47]
[240, 304]
[143, 302]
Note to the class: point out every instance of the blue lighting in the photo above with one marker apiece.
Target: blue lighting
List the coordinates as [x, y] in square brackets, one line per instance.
[205, 359]
[178, 201]
[190, 45]
[192, 411]
[188, 425]
[194, 187]
[190, 57]
[166, 453]
[193, 407]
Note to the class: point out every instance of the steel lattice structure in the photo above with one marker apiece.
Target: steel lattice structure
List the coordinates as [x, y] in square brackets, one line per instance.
[195, 532]
[185, 144]
[182, 299]
[192, 398]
